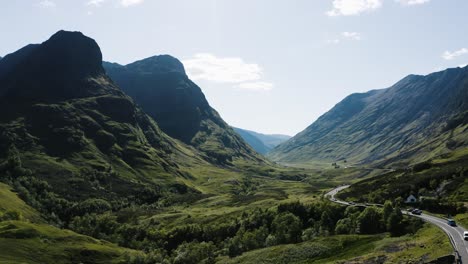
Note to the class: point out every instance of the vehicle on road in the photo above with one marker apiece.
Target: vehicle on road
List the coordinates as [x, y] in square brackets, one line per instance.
[458, 236]
[416, 212]
[451, 222]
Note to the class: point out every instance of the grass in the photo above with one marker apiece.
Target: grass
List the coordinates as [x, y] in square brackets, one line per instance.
[427, 244]
[9, 201]
[462, 219]
[32, 241]
[220, 187]
[218, 201]
[22, 242]
[306, 252]
[442, 176]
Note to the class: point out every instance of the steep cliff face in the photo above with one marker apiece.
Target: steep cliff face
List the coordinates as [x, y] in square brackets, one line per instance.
[64, 115]
[418, 117]
[160, 85]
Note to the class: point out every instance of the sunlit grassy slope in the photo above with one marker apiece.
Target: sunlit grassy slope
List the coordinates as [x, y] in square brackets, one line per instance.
[30, 240]
[9, 201]
[417, 118]
[23, 242]
[427, 244]
[443, 175]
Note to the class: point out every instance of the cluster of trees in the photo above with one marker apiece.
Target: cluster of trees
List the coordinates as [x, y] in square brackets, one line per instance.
[439, 184]
[288, 223]
[297, 222]
[60, 211]
[374, 220]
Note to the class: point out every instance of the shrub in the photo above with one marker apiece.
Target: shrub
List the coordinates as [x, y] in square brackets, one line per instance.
[10, 215]
[287, 228]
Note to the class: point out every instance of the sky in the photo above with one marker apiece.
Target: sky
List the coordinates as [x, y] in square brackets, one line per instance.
[272, 66]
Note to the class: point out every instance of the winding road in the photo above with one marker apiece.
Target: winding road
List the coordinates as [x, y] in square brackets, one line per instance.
[455, 233]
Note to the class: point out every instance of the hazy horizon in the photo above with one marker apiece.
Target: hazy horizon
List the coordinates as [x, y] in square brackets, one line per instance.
[267, 66]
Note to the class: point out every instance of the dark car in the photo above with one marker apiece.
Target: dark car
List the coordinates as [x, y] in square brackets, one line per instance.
[451, 222]
[465, 235]
[416, 212]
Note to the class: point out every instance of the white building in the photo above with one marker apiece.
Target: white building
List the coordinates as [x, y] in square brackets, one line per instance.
[411, 199]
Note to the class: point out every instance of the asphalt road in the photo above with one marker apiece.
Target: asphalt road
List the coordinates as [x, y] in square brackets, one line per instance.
[455, 233]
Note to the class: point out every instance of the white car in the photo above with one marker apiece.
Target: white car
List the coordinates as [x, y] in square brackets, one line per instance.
[465, 235]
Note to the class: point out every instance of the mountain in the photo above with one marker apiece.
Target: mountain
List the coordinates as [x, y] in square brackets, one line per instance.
[10, 60]
[262, 143]
[88, 177]
[415, 119]
[65, 122]
[161, 87]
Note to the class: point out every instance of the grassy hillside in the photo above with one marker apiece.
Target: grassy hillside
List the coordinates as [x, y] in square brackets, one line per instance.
[416, 119]
[25, 238]
[441, 182]
[23, 242]
[10, 202]
[427, 244]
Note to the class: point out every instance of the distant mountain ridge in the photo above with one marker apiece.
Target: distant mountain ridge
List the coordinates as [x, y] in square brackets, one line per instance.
[262, 143]
[415, 119]
[161, 87]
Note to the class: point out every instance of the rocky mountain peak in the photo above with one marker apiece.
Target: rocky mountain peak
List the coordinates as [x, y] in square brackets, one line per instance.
[158, 64]
[50, 71]
[70, 53]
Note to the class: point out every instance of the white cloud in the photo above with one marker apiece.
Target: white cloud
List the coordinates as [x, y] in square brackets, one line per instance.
[333, 41]
[127, 3]
[205, 66]
[353, 7]
[462, 65]
[95, 3]
[256, 86]
[412, 2]
[345, 36]
[351, 35]
[47, 4]
[233, 70]
[447, 55]
[119, 3]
